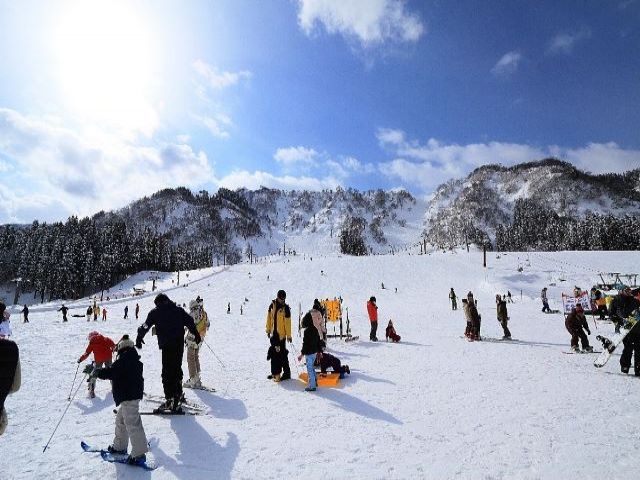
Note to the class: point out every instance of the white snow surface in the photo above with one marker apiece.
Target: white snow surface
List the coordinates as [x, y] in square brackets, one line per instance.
[433, 406]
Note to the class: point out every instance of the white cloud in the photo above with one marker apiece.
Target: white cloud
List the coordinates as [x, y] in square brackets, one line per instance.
[428, 165]
[219, 80]
[508, 64]
[295, 155]
[564, 43]
[370, 22]
[390, 136]
[257, 179]
[183, 138]
[82, 175]
[355, 165]
[217, 125]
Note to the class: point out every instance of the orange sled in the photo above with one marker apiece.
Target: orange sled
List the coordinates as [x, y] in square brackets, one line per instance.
[324, 379]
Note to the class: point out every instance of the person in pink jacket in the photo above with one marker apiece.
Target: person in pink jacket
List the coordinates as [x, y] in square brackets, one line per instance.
[372, 310]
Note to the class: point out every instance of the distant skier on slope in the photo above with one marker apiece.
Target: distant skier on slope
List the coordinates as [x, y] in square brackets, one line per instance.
[545, 302]
[503, 316]
[575, 323]
[64, 311]
[128, 388]
[25, 312]
[102, 348]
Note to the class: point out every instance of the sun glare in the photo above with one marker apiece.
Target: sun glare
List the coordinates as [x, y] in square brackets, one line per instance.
[104, 58]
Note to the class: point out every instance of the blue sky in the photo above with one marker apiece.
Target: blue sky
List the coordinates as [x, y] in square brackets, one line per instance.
[102, 102]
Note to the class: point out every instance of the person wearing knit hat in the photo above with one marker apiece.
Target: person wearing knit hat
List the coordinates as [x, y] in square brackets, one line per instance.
[278, 325]
[102, 348]
[128, 387]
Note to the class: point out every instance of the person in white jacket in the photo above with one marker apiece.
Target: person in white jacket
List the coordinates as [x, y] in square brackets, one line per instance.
[5, 325]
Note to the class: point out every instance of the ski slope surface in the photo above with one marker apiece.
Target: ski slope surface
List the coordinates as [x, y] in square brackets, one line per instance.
[433, 406]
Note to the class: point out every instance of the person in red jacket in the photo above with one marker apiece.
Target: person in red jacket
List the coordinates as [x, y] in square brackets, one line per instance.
[372, 310]
[102, 348]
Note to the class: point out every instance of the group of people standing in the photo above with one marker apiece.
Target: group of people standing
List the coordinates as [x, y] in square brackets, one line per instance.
[473, 317]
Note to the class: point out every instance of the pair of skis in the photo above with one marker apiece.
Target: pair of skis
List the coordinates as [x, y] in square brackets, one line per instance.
[118, 457]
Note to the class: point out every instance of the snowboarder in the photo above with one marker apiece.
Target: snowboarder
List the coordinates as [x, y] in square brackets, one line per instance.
[622, 306]
[128, 387]
[575, 323]
[126, 311]
[9, 374]
[390, 333]
[25, 313]
[503, 316]
[137, 311]
[278, 324]
[372, 311]
[5, 324]
[201, 320]
[454, 299]
[545, 302]
[102, 348]
[275, 354]
[310, 350]
[326, 360]
[104, 314]
[170, 321]
[64, 311]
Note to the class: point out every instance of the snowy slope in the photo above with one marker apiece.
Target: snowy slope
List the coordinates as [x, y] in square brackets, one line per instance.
[433, 406]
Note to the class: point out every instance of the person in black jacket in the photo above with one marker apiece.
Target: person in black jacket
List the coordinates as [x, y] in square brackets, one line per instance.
[64, 311]
[9, 375]
[275, 354]
[622, 306]
[128, 387]
[170, 322]
[25, 312]
[310, 348]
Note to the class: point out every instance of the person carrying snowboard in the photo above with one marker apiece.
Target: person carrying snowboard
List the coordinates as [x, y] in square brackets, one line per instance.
[545, 301]
[170, 321]
[390, 333]
[278, 324]
[454, 299]
[128, 387]
[201, 320]
[576, 325]
[372, 311]
[310, 349]
[503, 316]
[102, 348]
[64, 311]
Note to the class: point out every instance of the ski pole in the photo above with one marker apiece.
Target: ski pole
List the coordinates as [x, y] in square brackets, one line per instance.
[73, 383]
[63, 414]
[214, 353]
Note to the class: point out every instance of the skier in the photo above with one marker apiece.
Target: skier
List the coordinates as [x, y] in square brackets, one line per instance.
[454, 299]
[326, 360]
[128, 387]
[278, 324]
[575, 323]
[64, 311]
[137, 311]
[25, 312]
[102, 348]
[310, 349]
[104, 314]
[170, 321]
[545, 302]
[631, 344]
[9, 374]
[622, 306]
[503, 316]
[5, 324]
[126, 311]
[275, 354]
[391, 333]
[372, 311]
[509, 299]
[201, 320]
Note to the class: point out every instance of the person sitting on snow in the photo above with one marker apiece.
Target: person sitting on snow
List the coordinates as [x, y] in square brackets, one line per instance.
[575, 323]
[391, 333]
[128, 388]
[102, 348]
[325, 361]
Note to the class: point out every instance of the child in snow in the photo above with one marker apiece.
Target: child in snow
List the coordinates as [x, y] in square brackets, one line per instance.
[128, 387]
[275, 355]
[391, 333]
[201, 320]
[326, 360]
[102, 348]
[5, 325]
[310, 349]
[9, 375]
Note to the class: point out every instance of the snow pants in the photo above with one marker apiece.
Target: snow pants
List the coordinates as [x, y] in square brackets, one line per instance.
[193, 360]
[373, 335]
[545, 306]
[311, 370]
[129, 427]
[578, 333]
[631, 347]
[454, 304]
[172, 368]
[505, 329]
[92, 380]
[284, 359]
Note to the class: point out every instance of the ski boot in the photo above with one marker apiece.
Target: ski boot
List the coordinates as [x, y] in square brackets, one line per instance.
[115, 451]
[588, 349]
[624, 369]
[136, 460]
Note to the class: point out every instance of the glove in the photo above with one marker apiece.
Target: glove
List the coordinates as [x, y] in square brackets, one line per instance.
[197, 338]
[88, 369]
[139, 343]
[289, 339]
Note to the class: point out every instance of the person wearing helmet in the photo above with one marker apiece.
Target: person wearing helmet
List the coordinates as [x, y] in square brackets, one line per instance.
[102, 348]
[575, 323]
[372, 311]
[201, 320]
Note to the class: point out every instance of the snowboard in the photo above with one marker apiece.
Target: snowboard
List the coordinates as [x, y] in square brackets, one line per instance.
[185, 405]
[609, 344]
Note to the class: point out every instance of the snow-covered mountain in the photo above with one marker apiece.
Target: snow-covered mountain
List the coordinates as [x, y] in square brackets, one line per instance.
[473, 207]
